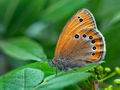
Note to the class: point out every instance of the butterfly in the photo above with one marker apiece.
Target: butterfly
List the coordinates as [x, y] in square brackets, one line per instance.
[80, 42]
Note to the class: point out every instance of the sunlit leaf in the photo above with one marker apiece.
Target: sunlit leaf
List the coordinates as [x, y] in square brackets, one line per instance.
[26, 79]
[20, 14]
[58, 10]
[23, 49]
[63, 81]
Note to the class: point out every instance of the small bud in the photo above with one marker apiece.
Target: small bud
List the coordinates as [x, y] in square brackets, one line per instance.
[117, 69]
[107, 69]
[100, 68]
[110, 87]
[117, 81]
[106, 89]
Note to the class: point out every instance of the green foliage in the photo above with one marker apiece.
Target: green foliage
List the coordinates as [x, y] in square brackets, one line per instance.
[29, 30]
[54, 12]
[30, 78]
[23, 48]
[26, 79]
[63, 81]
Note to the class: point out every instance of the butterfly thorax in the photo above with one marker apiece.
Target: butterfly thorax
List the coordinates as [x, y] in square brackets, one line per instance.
[59, 63]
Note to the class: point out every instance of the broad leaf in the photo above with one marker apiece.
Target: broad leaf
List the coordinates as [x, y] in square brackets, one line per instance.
[62, 9]
[44, 66]
[20, 14]
[23, 49]
[24, 79]
[63, 81]
[80, 69]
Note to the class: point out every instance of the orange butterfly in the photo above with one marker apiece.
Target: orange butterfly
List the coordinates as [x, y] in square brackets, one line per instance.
[79, 43]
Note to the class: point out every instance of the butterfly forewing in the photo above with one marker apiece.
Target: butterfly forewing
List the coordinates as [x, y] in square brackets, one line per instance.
[80, 42]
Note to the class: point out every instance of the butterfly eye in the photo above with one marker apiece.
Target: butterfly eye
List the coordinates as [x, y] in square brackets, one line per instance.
[84, 35]
[90, 37]
[77, 36]
[94, 48]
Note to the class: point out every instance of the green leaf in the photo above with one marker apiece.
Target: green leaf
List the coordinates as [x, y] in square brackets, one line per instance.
[20, 14]
[110, 27]
[62, 9]
[112, 36]
[88, 67]
[115, 19]
[73, 87]
[23, 49]
[80, 69]
[63, 80]
[106, 9]
[24, 79]
[11, 7]
[44, 66]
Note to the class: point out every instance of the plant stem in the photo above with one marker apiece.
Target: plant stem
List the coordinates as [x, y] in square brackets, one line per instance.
[109, 76]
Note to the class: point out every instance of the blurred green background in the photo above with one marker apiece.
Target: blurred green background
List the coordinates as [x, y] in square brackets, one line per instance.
[41, 21]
